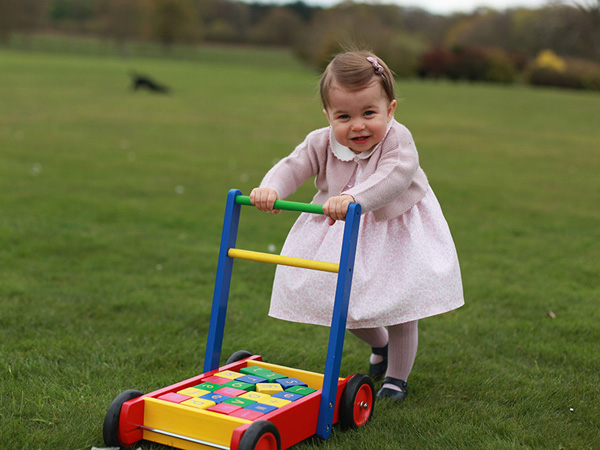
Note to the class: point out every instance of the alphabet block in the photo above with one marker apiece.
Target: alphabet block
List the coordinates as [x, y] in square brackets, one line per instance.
[302, 390]
[268, 388]
[198, 403]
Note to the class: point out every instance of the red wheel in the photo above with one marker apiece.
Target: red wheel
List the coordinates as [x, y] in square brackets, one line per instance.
[261, 435]
[266, 442]
[358, 401]
[110, 429]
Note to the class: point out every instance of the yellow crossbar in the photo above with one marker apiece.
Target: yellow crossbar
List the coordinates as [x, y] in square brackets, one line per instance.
[284, 260]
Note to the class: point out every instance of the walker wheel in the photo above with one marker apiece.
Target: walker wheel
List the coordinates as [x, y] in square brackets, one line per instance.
[238, 356]
[261, 435]
[358, 401]
[110, 430]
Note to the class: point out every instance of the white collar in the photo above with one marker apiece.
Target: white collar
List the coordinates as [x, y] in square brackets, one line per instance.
[343, 153]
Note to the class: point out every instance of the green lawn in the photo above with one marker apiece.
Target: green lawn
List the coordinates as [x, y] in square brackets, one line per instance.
[111, 205]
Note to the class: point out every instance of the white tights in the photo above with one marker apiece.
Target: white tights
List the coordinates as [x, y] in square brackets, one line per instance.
[403, 341]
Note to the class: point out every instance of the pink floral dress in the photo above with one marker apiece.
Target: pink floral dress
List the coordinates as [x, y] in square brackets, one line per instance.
[406, 268]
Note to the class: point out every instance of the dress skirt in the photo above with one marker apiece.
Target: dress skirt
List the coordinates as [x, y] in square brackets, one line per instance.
[406, 269]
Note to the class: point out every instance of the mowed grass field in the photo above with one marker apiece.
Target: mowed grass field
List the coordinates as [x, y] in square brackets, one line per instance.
[111, 206]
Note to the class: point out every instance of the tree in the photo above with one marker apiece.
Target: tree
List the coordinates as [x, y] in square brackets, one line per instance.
[23, 16]
[122, 20]
[281, 26]
[170, 21]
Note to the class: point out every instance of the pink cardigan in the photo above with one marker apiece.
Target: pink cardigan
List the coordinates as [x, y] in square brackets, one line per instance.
[392, 181]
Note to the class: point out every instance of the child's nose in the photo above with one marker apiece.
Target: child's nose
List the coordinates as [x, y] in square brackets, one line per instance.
[358, 125]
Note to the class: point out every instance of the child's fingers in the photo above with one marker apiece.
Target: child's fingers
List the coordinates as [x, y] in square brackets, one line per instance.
[336, 207]
[263, 198]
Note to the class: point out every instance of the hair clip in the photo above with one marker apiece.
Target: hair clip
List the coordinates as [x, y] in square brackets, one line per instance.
[378, 68]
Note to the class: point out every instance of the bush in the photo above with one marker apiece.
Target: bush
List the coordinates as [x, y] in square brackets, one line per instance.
[550, 70]
[544, 76]
[468, 63]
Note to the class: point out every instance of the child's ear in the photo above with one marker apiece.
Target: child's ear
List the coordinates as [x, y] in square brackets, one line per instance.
[392, 109]
[326, 115]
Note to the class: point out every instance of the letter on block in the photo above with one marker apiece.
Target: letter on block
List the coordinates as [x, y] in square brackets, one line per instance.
[228, 374]
[290, 382]
[193, 392]
[174, 398]
[198, 403]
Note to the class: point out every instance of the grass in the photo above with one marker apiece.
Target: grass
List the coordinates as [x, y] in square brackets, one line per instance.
[111, 206]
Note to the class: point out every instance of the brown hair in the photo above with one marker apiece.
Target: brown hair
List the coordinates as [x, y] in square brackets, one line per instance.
[354, 71]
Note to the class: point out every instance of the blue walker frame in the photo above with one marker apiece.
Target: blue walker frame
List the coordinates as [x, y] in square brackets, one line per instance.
[340, 310]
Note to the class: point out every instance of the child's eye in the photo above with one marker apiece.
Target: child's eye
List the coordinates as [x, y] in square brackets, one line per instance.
[369, 113]
[344, 116]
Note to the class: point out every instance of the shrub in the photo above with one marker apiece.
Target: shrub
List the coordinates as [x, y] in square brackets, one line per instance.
[501, 67]
[543, 76]
[434, 63]
[468, 63]
[548, 69]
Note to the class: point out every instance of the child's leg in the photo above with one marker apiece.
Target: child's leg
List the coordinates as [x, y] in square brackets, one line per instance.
[404, 339]
[375, 337]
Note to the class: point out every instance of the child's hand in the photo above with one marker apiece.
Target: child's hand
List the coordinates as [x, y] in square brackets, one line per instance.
[264, 199]
[336, 207]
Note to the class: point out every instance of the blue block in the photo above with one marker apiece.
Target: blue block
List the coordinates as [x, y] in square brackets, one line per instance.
[217, 398]
[289, 382]
[288, 396]
[261, 407]
[251, 379]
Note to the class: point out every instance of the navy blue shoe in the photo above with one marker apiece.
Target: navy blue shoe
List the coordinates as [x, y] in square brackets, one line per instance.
[393, 394]
[376, 371]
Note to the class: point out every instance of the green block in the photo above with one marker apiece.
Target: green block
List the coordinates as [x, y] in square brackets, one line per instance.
[272, 376]
[302, 390]
[258, 371]
[241, 385]
[237, 401]
[211, 387]
[253, 370]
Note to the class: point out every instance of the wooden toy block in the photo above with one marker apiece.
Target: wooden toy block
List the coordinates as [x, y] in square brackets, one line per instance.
[241, 402]
[230, 392]
[193, 392]
[241, 385]
[210, 387]
[268, 388]
[174, 398]
[302, 390]
[252, 379]
[246, 414]
[261, 407]
[255, 396]
[216, 380]
[277, 402]
[253, 370]
[289, 382]
[286, 395]
[198, 403]
[224, 408]
[230, 374]
[270, 376]
[217, 398]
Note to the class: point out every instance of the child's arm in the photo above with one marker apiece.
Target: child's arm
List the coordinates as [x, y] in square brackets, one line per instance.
[336, 207]
[264, 199]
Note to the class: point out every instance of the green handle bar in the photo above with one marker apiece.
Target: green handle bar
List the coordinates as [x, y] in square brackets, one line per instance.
[284, 204]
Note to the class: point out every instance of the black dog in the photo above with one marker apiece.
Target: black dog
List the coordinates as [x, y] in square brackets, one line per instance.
[145, 82]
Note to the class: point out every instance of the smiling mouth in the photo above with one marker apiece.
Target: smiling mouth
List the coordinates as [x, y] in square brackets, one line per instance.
[360, 139]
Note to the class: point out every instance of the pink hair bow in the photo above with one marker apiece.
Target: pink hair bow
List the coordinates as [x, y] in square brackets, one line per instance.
[378, 67]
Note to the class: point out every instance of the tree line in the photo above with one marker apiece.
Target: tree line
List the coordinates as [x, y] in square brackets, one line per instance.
[556, 44]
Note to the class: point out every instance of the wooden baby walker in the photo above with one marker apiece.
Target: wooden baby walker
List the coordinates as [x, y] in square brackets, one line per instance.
[248, 403]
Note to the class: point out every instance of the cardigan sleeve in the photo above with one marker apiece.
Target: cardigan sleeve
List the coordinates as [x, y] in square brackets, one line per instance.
[393, 174]
[292, 171]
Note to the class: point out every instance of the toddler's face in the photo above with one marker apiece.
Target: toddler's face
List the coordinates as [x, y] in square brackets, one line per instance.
[359, 118]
